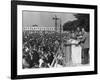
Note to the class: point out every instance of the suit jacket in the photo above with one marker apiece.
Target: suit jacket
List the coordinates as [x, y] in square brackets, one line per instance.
[85, 41]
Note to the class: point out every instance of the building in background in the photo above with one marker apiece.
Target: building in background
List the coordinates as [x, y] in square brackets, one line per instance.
[38, 29]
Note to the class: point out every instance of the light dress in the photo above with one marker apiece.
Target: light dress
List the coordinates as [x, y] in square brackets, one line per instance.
[76, 52]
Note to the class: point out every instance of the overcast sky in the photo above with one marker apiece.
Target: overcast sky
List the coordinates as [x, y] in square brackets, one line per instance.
[44, 19]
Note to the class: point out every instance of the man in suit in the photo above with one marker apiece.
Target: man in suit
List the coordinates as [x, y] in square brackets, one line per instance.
[85, 46]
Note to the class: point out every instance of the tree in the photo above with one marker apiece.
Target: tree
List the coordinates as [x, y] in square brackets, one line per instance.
[82, 22]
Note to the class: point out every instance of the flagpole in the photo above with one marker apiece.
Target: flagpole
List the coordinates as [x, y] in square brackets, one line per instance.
[60, 32]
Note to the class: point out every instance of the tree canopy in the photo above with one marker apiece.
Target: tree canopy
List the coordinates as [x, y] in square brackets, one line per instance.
[82, 22]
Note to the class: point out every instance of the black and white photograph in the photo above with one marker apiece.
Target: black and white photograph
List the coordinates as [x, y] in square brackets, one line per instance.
[53, 39]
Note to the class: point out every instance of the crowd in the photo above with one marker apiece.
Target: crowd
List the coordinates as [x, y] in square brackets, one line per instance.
[39, 50]
[44, 49]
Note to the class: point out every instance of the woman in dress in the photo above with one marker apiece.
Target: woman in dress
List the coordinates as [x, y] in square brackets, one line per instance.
[76, 50]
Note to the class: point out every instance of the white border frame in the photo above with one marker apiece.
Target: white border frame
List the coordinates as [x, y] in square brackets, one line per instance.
[21, 71]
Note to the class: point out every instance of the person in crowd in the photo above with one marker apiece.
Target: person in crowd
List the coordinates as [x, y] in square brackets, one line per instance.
[50, 57]
[26, 60]
[41, 61]
[35, 58]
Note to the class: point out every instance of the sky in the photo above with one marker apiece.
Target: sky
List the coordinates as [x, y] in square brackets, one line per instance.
[45, 19]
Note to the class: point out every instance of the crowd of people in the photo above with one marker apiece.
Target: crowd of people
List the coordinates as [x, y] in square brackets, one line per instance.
[40, 48]
[44, 50]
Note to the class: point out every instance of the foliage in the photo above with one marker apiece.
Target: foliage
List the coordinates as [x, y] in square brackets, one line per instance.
[82, 22]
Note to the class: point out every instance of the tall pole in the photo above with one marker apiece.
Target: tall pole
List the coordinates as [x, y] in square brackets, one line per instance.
[55, 19]
[61, 42]
[60, 32]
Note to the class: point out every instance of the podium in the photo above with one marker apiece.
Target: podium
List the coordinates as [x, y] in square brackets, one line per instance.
[67, 54]
[72, 53]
